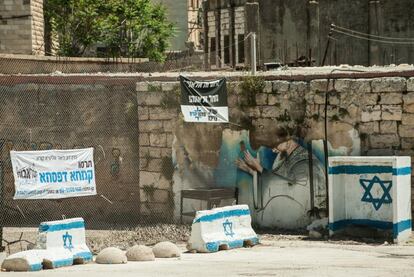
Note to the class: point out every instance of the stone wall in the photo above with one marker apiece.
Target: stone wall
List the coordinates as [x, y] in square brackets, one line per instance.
[21, 27]
[367, 116]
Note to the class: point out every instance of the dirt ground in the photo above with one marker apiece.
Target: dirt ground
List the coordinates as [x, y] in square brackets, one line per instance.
[278, 255]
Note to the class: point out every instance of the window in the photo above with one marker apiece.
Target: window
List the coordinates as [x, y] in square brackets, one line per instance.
[212, 51]
[226, 49]
[240, 48]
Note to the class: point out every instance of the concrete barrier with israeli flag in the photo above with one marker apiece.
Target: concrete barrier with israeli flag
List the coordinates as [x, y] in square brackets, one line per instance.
[221, 229]
[371, 191]
[66, 234]
[59, 243]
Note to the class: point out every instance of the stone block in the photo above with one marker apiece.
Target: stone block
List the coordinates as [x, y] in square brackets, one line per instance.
[268, 88]
[391, 112]
[389, 84]
[144, 139]
[154, 165]
[388, 127]
[369, 99]
[410, 85]
[261, 99]
[407, 119]
[143, 113]
[150, 98]
[280, 86]
[406, 131]
[371, 113]
[384, 141]
[391, 98]
[158, 140]
[157, 113]
[151, 126]
[169, 86]
[149, 178]
[142, 86]
[298, 88]
[407, 143]
[272, 99]
[359, 86]
[369, 127]
[270, 111]
[321, 85]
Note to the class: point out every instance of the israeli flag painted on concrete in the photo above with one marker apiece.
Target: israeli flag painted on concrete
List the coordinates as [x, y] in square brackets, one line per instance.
[68, 234]
[53, 174]
[222, 228]
[371, 191]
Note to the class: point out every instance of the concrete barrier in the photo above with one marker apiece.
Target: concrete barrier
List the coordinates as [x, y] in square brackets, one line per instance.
[65, 234]
[371, 191]
[221, 229]
[37, 259]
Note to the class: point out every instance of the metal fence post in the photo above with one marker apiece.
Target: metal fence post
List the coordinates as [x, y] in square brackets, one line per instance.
[1, 206]
[253, 53]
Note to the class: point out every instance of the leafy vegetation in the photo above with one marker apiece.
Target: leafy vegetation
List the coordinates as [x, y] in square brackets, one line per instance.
[126, 28]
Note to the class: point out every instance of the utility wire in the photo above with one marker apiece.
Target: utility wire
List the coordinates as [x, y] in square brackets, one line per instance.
[371, 39]
[333, 27]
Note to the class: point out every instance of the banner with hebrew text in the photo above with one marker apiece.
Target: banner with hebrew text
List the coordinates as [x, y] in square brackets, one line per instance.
[53, 174]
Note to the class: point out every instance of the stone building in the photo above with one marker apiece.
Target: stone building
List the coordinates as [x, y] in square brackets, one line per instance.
[21, 27]
[291, 30]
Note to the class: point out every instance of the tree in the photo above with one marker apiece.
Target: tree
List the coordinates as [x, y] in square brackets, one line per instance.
[128, 28]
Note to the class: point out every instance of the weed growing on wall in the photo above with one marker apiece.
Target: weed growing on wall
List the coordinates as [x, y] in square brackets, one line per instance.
[250, 87]
[171, 100]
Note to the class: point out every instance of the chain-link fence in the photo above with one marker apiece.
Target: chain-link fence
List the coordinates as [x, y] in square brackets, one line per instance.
[71, 112]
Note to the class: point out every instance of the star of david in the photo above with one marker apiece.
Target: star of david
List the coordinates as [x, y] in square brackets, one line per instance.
[67, 241]
[228, 228]
[369, 184]
[197, 113]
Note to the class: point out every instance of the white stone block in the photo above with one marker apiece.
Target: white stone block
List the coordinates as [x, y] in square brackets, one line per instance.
[221, 229]
[371, 191]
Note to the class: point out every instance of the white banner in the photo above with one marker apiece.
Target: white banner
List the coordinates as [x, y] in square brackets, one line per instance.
[53, 174]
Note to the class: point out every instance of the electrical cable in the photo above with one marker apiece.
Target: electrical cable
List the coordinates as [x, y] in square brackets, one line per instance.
[333, 26]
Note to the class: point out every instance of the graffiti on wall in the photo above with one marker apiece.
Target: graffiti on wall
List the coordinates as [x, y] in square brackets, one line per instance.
[280, 177]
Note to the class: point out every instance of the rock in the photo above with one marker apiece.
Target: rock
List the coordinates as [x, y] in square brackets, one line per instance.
[111, 255]
[17, 264]
[166, 249]
[318, 224]
[140, 253]
[315, 234]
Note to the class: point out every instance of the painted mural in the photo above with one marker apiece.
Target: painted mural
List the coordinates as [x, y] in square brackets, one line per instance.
[273, 175]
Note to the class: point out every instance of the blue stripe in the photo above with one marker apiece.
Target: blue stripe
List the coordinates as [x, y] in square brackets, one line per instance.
[214, 245]
[401, 171]
[401, 226]
[86, 256]
[384, 225]
[61, 263]
[368, 169]
[220, 215]
[61, 227]
[337, 225]
[35, 267]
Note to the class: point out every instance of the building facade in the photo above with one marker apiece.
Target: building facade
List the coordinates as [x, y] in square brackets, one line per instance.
[21, 27]
[289, 31]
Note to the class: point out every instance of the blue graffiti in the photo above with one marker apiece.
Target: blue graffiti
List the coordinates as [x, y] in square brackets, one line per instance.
[67, 241]
[228, 228]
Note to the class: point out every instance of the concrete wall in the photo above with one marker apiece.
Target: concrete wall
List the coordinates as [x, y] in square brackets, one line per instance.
[21, 27]
[295, 28]
[62, 112]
